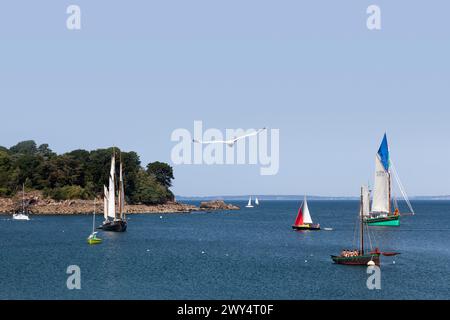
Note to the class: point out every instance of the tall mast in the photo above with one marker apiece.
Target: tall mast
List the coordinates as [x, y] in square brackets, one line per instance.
[93, 219]
[121, 191]
[120, 186]
[362, 223]
[389, 182]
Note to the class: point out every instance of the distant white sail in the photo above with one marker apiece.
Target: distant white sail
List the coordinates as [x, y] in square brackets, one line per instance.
[257, 201]
[306, 216]
[249, 204]
[105, 202]
[381, 190]
[112, 190]
[122, 194]
[366, 201]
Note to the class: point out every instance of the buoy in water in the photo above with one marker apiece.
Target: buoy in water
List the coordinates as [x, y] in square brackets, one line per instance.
[370, 263]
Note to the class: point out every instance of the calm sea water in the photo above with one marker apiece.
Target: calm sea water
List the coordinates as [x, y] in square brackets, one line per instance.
[246, 254]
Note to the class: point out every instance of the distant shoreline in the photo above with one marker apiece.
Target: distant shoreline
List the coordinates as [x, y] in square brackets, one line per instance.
[79, 207]
[297, 198]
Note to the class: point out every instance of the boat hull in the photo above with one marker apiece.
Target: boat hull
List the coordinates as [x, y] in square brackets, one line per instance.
[94, 241]
[20, 216]
[307, 227]
[389, 221]
[358, 260]
[114, 226]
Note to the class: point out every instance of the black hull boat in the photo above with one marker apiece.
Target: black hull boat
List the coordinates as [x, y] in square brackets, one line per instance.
[114, 226]
[358, 257]
[357, 260]
[307, 227]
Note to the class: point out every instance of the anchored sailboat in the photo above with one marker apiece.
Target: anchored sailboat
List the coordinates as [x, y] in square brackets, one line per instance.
[93, 239]
[359, 256]
[384, 211]
[22, 215]
[303, 220]
[249, 204]
[118, 222]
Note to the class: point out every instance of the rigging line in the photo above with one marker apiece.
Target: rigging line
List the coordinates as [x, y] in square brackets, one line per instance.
[371, 237]
[355, 228]
[402, 189]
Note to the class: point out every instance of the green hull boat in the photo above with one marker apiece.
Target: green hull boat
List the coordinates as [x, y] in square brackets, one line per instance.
[389, 221]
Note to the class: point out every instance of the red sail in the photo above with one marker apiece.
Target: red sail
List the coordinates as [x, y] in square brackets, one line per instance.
[299, 220]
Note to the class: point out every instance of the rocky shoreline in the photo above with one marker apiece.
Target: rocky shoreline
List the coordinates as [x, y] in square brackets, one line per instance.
[40, 206]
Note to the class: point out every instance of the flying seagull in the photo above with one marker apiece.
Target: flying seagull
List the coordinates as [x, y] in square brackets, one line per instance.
[230, 142]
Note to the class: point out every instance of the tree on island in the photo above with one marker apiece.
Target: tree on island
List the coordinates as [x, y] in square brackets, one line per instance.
[80, 174]
[162, 172]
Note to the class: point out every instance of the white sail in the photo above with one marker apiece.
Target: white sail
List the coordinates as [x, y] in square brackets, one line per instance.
[249, 204]
[105, 202]
[122, 194]
[112, 190]
[365, 201]
[381, 190]
[257, 201]
[306, 216]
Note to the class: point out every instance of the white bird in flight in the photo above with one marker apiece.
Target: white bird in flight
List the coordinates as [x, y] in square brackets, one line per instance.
[230, 142]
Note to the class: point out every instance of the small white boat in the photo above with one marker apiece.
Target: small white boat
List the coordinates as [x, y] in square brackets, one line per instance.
[249, 204]
[23, 215]
[257, 201]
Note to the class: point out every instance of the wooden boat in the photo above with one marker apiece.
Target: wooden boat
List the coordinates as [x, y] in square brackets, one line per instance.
[359, 257]
[303, 220]
[118, 222]
[384, 211]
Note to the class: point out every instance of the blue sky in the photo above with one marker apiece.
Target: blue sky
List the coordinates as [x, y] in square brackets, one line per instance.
[137, 70]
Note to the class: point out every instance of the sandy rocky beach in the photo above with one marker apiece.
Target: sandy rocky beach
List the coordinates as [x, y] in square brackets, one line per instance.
[37, 204]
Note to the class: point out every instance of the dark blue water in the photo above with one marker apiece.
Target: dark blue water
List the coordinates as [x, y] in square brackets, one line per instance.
[246, 254]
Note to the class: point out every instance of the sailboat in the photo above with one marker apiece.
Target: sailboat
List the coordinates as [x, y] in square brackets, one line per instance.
[385, 211]
[303, 220]
[257, 201]
[118, 222]
[359, 257]
[22, 215]
[249, 204]
[92, 239]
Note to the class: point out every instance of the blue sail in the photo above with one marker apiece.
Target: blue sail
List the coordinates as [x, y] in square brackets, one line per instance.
[383, 153]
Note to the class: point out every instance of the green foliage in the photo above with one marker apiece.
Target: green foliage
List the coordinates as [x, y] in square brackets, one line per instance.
[67, 193]
[149, 191]
[162, 172]
[81, 174]
[25, 147]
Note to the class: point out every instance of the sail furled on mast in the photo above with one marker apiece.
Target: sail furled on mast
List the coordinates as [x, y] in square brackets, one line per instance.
[112, 190]
[381, 192]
